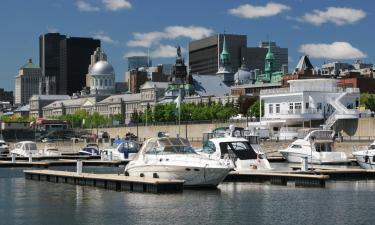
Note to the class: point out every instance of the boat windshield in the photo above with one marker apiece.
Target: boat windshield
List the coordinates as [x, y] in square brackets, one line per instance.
[169, 146]
[29, 146]
[372, 146]
[323, 147]
[128, 146]
[240, 149]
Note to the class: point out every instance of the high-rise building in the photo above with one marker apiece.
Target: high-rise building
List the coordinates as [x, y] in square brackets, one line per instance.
[135, 62]
[204, 54]
[49, 62]
[64, 62]
[27, 82]
[75, 55]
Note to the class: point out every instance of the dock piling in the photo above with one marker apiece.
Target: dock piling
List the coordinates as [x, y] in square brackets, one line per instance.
[30, 157]
[304, 164]
[13, 158]
[79, 167]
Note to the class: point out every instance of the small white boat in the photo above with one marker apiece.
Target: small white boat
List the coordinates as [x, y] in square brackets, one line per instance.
[90, 149]
[317, 146]
[50, 150]
[122, 149]
[25, 148]
[174, 158]
[238, 147]
[366, 158]
[4, 148]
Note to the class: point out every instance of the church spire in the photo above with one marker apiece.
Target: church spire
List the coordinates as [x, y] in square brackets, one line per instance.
[269, 66]
[224, 55]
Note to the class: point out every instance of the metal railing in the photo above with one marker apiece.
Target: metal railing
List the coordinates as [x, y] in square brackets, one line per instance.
[308, 88]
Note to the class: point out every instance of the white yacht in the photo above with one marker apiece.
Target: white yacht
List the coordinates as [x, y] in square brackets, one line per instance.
[50, 149]
[4, 148]
[25, 148]
[366, 158]
[122, 149]
[238, 147]
[317, 146]
[174, 158]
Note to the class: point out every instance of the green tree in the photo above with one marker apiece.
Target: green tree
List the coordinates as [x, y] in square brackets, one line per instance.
[254, 109]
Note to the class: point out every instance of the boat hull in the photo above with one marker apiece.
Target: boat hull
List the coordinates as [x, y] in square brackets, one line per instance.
[193, 176]
[325, 158]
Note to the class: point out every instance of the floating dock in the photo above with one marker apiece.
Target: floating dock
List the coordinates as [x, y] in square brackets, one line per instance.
[46, 164]
[340, 173]
[108, 181]
[278, 178]
[41, 158]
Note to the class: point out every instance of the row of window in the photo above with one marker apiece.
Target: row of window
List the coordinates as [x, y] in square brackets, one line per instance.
[99, 82]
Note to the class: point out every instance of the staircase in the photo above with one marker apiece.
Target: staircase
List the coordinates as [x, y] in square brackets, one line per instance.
[341, 112]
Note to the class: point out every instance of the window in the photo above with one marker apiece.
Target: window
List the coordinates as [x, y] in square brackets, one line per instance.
[296, 146]
[209, 148]
[105, 82]
[101, 82]
[270, 109]
[298, 106]
[291, 106]
[307, 105]
[277, 108]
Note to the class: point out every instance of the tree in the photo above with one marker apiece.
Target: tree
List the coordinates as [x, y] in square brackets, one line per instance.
[255, 108]
[370, 103]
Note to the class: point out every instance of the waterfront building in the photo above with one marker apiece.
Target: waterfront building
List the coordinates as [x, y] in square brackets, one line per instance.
[37, 102]
[27, 82]
[135, 62]
[22, 111]
[308, 100]
[134, 79]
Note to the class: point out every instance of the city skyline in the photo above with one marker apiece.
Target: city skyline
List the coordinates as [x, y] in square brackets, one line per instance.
[321, 29]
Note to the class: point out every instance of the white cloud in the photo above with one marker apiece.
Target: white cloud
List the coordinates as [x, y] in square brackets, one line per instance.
[162, 51]
[115, 5]
[336, 15]
[86, 7]
[135, 53]
[165, 51]
[171, 32]
[336, 50]
[101, 35]
[252, 12]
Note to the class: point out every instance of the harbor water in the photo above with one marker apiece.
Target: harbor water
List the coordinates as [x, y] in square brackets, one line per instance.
[33, 203]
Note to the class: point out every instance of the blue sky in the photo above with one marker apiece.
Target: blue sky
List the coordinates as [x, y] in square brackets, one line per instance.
[325, 29]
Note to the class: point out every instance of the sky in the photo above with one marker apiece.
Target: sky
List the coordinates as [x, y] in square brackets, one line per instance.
[326, 30]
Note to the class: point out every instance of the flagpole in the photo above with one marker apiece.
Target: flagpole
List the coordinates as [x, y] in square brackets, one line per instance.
[179, 115]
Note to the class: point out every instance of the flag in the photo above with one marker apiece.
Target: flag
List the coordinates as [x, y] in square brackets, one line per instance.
[178, 101]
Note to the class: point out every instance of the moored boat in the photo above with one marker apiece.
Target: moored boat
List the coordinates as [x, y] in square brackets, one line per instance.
[317, 146]
[366, 158]
[174, 158]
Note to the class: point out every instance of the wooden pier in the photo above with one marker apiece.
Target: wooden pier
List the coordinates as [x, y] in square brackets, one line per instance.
[339, 173]
[46, 164]
[278, 178]
[108, 181]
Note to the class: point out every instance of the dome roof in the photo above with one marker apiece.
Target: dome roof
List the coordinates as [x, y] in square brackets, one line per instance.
[102, 68]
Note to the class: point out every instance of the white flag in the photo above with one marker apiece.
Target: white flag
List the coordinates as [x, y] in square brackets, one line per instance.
[178, 101]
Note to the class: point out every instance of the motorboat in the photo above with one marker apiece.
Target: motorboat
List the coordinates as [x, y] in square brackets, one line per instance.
[90, 149]
[237, 146]
[366, 158]
[50, 150]
[25, 148]
[317, 146]
[4, 148]
[174, 158]
[122, 149]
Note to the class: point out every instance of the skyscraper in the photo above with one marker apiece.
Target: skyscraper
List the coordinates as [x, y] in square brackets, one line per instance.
[135, 62]
[64, 61]
[27, 82]
[75, 54]
[49, 61]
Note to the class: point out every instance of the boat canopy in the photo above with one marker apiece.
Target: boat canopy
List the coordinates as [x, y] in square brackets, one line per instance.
[167, 145]
[128, 144]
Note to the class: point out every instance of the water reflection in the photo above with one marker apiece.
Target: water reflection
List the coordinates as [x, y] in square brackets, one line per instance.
[31, 202]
